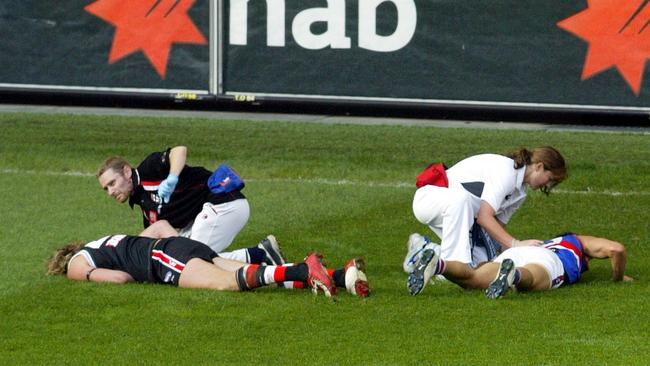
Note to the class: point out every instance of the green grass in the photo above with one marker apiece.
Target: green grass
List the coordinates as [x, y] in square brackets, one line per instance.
[344, 190]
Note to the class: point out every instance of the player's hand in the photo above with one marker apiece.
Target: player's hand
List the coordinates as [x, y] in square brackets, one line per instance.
[166, 187]
[526, 243]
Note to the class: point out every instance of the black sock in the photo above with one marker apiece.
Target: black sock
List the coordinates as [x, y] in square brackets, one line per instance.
[339, 277]
[256, 255]
[297, 272]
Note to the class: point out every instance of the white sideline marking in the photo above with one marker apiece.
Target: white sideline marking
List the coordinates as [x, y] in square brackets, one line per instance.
[34, 172]
[329, 182]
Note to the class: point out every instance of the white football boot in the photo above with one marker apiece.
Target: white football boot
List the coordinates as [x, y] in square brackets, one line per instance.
[414, 246]
[504, 280]
[425, 268]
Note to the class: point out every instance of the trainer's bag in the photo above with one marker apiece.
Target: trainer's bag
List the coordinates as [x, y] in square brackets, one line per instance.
[434, 175]
[225, 180]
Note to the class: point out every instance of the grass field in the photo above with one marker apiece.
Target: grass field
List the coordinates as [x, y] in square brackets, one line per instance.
[344, 190]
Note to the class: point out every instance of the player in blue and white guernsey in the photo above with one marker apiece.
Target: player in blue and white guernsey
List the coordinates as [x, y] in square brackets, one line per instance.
[166, 188]
[470, 214]
[557, 262]
[188, 263]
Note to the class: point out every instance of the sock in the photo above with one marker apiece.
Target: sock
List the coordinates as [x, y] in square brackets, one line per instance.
[338, 276]
[240, 255]
[294, 284]
[254, 275]
[440, 266]
[256, 255]
[295, 273]
[249, 277]
[253, 255]
[517, 277]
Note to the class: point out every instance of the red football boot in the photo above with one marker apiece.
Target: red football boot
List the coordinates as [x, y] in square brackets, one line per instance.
[317, 277]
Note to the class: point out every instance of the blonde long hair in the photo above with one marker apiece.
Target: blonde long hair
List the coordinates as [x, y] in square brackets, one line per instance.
[58, 263]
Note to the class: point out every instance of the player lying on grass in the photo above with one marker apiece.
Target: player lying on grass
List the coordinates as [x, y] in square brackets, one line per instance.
[188, 263]
[352, 276]
[557, 262]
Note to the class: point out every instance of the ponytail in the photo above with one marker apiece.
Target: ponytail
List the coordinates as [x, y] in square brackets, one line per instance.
[522, 157]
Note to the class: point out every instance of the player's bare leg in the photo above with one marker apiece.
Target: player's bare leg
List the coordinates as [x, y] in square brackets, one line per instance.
[467, 277]
[227, 264]
[533, 278]
[201, 274]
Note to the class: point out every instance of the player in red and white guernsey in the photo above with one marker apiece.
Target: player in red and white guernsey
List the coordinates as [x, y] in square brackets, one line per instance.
[188, 263]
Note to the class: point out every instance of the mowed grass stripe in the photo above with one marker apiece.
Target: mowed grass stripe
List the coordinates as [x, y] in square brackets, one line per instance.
[324, 181]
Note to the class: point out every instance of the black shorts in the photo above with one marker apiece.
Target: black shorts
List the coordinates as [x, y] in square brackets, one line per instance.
[169, 257]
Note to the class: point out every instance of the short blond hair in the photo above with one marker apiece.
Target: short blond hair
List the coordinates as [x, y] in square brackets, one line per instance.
[116, 163]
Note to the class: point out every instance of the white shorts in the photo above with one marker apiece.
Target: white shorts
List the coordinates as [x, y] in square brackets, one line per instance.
[218, 225]
[544, 257]
[449, 213]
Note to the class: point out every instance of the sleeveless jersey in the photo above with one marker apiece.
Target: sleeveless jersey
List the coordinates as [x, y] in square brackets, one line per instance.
[571, 253]
[131, 254]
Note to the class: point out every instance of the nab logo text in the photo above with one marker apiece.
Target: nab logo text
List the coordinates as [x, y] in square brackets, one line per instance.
[334, 16]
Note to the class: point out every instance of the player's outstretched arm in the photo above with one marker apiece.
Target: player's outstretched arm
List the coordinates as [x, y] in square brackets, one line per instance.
[604, 248]
[80, 270]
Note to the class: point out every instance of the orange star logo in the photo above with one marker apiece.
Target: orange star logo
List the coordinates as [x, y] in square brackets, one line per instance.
[618, 34]
[148, 26]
